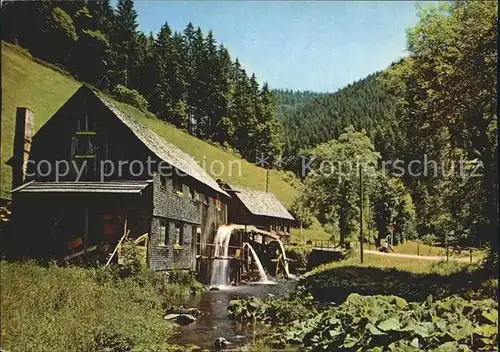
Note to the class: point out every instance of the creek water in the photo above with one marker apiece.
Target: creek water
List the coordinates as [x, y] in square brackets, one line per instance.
[287, 271]
[221, 266]
[215, 321]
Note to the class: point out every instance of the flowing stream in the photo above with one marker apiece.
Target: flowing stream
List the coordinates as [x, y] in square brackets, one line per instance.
[262, 273]
[215, 321]
[220, 267]
[287, 271]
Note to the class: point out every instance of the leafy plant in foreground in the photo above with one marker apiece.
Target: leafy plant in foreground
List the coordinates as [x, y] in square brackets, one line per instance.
[270, 311]
[381, 323]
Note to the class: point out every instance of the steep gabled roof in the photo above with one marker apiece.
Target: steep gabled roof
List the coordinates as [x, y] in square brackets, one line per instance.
[163, 149]
[83, 187]
[260, 202]
[156, 144]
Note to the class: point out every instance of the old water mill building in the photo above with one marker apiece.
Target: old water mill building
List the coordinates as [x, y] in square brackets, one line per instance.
[80, 214]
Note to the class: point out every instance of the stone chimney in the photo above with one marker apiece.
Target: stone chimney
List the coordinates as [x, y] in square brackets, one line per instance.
[22, 145]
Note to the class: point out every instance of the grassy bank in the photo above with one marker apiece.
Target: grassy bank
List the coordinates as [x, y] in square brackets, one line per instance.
[412, 279]
[75, 309]
[384, 304]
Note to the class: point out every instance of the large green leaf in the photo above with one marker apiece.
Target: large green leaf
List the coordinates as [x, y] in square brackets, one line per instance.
[390, 324]
[415, 343]
[459, 334]
[373, 330]
[491, 316]
[486, 330]
[400, 302]
[422, 329]
[335, 332]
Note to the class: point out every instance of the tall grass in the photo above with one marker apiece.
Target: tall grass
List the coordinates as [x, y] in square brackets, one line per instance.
[417, 266]
[75, 309]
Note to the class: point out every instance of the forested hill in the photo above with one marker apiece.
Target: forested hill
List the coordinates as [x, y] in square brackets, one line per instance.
[363, 104]
[288, 101]
[186, 78]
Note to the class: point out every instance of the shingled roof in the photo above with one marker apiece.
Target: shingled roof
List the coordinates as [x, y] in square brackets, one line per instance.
[260, 202]
[157, 145]
[163, 149]
[132, 186]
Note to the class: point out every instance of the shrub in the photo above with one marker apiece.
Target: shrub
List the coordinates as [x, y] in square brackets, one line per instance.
[130, 96]
[270, 311]
[429, 239]
[446, 268]
[489, 288]
[300, 254]
[256, 346]
[131, 257]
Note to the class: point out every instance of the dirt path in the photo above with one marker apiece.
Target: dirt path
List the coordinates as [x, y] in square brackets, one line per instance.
[402, 255]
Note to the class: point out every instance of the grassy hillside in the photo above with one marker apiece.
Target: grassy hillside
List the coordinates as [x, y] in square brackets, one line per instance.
[28, 83]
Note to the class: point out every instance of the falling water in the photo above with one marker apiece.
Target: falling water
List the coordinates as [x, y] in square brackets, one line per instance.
[287, 272]
[220, 266]
[262, 273]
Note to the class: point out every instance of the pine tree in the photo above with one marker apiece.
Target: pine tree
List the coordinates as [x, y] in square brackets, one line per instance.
[125, 39]
[223, 128]
[189, 72]
[242, 110]
[143, 72]
[210, 90]
[198, 84]
[252, 124]
[177, 82]
[161, 101]
[102, 16]
[270, 137]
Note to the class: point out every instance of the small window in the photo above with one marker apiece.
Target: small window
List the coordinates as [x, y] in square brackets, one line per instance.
[194, 234]
[163, 181]
[85, 123]
[179, 234]
[84, 141]
[197, 237]
[176, 183]
[205, 199]
[163, 232]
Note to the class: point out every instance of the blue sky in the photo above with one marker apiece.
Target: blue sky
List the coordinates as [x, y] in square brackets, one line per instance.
[319, 46]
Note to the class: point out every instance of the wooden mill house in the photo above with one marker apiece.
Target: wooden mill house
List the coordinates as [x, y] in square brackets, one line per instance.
[78, 213]
[257, 208]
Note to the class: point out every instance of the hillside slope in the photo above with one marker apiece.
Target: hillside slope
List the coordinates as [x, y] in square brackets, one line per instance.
[28, 83]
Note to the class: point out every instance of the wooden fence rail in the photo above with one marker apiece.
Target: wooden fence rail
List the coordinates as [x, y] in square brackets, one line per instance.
[324, 244]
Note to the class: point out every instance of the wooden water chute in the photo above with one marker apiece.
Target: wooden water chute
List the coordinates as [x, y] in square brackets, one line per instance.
[237, 251]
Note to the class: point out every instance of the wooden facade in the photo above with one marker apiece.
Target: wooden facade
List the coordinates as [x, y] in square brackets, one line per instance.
[258, 208]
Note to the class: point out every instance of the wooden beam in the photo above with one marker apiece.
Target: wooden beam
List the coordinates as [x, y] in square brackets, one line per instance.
[77, 254]
[86, 231]
[125, 234]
